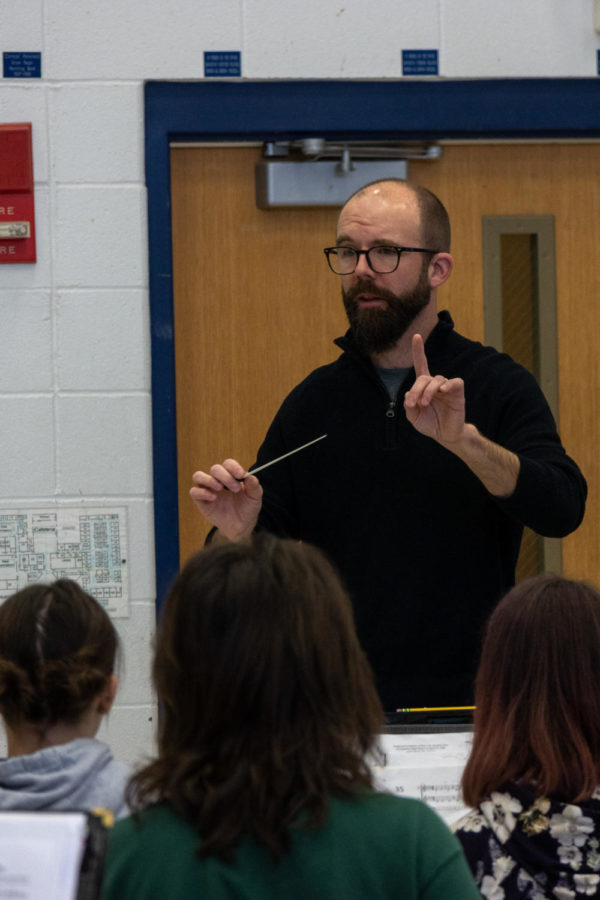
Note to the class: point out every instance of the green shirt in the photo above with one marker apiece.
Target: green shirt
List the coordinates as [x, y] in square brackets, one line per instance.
[371, 847]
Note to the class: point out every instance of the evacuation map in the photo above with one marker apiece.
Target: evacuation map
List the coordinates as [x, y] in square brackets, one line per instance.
[84, 544]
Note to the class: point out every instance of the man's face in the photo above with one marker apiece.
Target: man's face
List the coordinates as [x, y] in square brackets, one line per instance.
[380, 308]
[379, 317]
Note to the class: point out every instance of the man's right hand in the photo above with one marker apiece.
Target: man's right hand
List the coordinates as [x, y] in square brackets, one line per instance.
[229, 504]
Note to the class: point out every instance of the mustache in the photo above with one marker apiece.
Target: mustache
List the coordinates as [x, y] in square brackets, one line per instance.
[365, 287]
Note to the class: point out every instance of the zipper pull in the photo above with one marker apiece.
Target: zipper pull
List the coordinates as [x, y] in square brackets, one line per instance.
[391, 410]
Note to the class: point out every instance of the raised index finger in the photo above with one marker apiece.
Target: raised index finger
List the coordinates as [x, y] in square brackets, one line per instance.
[419, 358]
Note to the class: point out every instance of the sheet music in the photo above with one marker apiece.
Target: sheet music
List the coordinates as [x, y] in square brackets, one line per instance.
[426, 766]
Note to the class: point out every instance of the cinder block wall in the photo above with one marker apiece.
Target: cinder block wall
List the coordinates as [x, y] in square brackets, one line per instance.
[74, 337]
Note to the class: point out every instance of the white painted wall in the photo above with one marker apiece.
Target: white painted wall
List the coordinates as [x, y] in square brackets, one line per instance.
[75, 399]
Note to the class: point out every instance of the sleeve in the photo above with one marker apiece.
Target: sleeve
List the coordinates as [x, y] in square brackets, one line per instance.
[115, 885]
[551, 491]
[277, 514]
[445, 872]
[452, 881]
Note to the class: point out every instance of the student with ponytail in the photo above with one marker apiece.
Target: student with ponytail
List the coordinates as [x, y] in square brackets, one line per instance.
[57, 656]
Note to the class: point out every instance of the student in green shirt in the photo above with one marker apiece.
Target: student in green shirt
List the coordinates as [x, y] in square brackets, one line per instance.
[260, 788]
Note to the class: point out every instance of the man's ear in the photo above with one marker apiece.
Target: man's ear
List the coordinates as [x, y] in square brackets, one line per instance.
[107, 695]
[440, 269]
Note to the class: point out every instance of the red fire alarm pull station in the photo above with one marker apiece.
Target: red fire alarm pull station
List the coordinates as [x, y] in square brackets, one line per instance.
[17, 220]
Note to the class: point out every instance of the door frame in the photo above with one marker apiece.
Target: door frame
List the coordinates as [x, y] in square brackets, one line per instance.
[235, 111]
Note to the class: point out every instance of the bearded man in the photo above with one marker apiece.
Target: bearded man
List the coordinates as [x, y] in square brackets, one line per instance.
[420, 492]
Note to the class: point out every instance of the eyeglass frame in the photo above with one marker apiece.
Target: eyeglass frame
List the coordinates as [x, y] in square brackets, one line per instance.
[399, 251]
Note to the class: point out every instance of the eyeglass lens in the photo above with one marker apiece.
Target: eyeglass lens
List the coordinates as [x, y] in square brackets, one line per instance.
[383, 260]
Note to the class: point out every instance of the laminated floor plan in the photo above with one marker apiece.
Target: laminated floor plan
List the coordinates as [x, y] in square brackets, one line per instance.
[84, 544]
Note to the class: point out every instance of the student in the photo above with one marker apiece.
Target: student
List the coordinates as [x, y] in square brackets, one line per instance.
[57, 655]
[260, 786]
[534, 770]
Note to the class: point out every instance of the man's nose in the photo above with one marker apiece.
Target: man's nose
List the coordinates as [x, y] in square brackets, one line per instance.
[362, 266]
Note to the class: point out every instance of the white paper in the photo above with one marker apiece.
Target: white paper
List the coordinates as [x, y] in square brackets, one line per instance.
[426, 766]
[40, 855]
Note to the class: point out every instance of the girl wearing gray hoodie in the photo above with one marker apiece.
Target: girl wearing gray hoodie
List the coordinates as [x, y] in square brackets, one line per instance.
[57, 656]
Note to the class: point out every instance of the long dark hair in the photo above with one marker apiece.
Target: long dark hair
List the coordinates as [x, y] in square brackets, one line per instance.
[537, 693]
[268, 702]
[57, 652]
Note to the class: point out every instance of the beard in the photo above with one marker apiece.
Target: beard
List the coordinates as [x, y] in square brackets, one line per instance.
[377, 329]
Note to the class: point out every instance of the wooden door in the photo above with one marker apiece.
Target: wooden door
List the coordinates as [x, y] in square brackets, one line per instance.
[256, 307]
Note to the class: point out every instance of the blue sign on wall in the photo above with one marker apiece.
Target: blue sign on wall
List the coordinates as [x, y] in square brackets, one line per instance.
[222, 64]
[22, 65]
[420, 62]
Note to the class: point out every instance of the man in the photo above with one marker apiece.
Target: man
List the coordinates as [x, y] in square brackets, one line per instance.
[423, 485]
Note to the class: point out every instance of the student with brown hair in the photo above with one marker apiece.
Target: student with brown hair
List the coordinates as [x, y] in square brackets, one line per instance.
[533, 775]
[260, 786]
[57, 681]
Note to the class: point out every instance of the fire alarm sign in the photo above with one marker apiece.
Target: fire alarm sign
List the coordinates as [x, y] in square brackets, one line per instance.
[17, 218]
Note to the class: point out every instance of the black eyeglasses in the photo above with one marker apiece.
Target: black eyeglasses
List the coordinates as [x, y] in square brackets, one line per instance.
[383, 259]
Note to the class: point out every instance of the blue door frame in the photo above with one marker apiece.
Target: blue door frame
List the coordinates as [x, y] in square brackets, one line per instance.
[286, 110]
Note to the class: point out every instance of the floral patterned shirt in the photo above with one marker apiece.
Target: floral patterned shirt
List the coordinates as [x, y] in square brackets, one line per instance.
[522, 846]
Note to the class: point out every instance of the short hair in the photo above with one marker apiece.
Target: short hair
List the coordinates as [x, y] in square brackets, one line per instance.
[434, 219]
[537, 693]
[268, 702]
[57, 652]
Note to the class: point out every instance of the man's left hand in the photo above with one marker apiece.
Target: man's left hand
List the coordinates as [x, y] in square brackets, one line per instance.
[435, 405]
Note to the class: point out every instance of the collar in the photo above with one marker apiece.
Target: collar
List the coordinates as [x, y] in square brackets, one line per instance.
[433, 343]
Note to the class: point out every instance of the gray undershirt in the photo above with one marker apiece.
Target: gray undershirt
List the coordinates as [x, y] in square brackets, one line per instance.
[392, 379]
